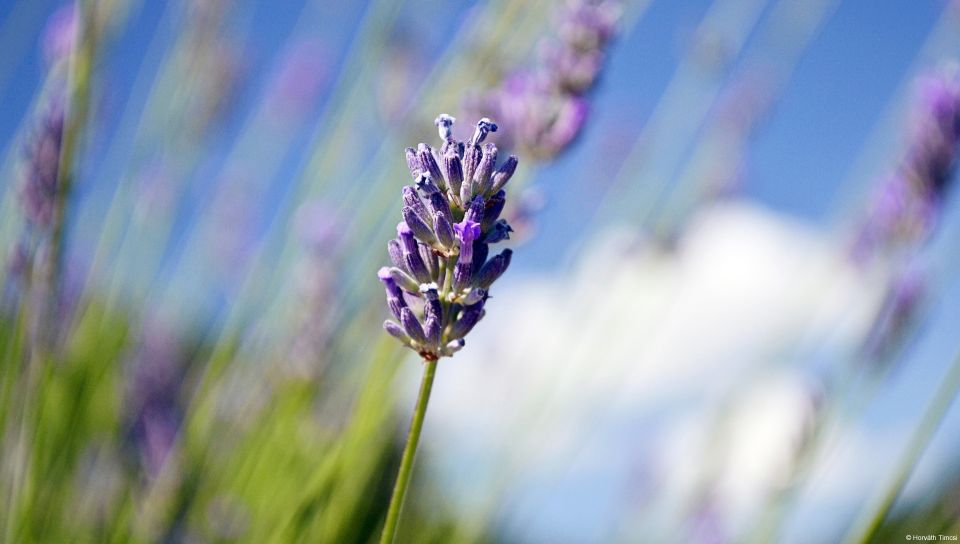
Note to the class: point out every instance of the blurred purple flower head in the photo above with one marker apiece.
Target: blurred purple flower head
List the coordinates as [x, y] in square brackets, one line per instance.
[60, 34]
[438, 284]
[39, 187]
[905, 208]
[153, 407]
[544, 107]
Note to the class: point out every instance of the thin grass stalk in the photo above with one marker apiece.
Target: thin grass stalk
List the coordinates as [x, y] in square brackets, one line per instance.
[875, 513]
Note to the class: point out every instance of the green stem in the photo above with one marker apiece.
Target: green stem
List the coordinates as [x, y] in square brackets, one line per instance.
[409, 454]
[866, 528]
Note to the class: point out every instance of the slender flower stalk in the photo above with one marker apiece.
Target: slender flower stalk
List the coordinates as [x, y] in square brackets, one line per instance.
[442, 270]
[866, 527]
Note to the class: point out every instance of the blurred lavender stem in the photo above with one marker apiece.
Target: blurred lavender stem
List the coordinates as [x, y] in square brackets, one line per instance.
[77, 107]
[409, 454]
[865, 529]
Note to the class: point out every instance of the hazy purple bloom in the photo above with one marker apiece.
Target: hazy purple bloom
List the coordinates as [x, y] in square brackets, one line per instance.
[543, 107]
[40, 177]
[442, 244]
[60, 34]
[905, 207]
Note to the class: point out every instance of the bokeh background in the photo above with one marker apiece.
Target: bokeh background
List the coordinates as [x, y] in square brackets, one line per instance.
[689, 344]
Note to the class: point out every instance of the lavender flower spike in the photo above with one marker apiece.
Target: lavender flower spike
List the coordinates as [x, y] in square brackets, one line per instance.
[440, 253]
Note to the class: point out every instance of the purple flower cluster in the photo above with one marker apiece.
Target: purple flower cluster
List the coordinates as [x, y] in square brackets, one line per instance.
[906, 206]
[42, 152]
[543, 109]
[441, 273]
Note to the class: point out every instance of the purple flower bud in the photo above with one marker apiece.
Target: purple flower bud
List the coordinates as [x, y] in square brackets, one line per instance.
[412, 326]
[420, 229]
[407, 242]
[395, 300]
[426, 185]
[404, 280]
[462, 274]
[484, 126]
[454, 170]
[444, 124]
[412, 200]
[397, 332]
[500, 231]
[433, 330]
[396, 254]
[482, 181]
[453, 347]
[429, 165]
[504, 173]
[493, 269]
[444, 230]
[429, 258]
[480, 252]
[430, 291]
[417, 267]
[474, 296]
[441, 205]
[494, 208]
[476, 210]
[413, 163]
[467, 320]
[471, 158]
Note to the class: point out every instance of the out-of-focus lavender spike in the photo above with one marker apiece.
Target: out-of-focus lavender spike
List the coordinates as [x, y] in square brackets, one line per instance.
[412, 200]
[396, 254]
[40, 184]
[482, 181]
[467, 320]
[420, 229]
[504, 173]
[543, 107]
[412, 326]
[429, 165]
[444, 124]
[494, 269]
[905, 207]
[444, 230]
[60, 34]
